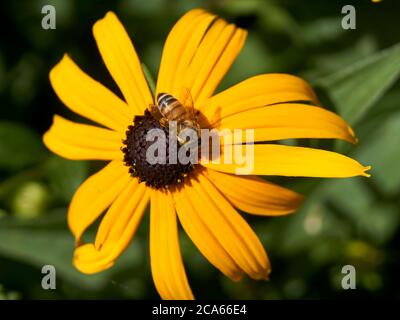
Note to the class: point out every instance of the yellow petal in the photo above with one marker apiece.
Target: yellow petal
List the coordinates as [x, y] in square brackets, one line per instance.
[255, 92]
[194, 32]
[80, 141]
[216, 53]
[121, 59]
[86, 252]
[95, 195]
[88, 97]
[231, 230]
[197, 55]
[166, 261]
[180, 48]
[280, 160]
[116, 230]
[287, 121]
[255, 195]
[193, 224]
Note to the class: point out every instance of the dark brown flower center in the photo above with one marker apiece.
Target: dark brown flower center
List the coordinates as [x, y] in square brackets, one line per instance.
[156, 175]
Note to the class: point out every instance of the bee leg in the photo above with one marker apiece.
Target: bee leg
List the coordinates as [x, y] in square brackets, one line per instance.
[180, 140]
[152, 108]
[164, 122]
[155, 112]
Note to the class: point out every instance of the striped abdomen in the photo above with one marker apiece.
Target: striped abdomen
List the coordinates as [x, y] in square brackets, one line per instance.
[170, 107]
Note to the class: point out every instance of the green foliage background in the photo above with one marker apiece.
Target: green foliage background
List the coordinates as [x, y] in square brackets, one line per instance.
[351, 221]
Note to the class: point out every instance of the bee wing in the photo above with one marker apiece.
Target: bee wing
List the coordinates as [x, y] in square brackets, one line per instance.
[186, 100]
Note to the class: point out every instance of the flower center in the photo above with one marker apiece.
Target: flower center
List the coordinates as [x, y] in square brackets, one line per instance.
[158, 175]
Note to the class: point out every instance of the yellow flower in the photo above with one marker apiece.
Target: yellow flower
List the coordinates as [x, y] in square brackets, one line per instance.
[197, 54]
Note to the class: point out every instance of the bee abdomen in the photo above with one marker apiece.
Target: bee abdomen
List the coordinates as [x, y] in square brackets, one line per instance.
[165, 99]
[170, 107]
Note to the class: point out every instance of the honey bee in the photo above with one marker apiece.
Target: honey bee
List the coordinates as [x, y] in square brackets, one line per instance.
[169, 108]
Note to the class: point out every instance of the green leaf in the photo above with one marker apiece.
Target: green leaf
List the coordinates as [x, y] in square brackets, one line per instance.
[277, 19]
[149, 78]
[383, 154]
[321, 30]
[19, 146]
[328, 63]
[242, 7]
[355, 89]
[65, 176]
[369, 219]
[48, 241]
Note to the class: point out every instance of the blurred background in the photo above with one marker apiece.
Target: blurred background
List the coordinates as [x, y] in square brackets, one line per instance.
[352, 221]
